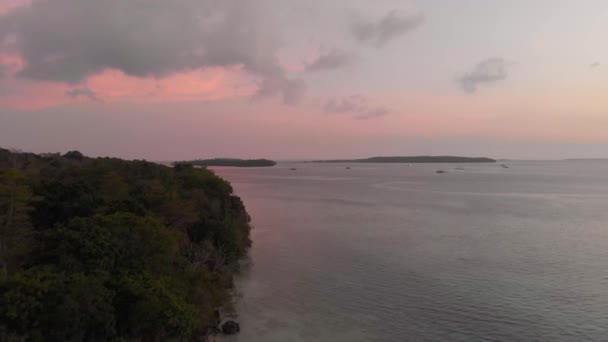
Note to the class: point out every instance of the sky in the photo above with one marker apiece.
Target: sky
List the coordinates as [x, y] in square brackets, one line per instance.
[299, 79]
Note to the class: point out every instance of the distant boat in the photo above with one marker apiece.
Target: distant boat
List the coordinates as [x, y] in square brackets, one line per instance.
[504, 166]
[348, 167]
[459, 168]
[293, 169]
[439, 171]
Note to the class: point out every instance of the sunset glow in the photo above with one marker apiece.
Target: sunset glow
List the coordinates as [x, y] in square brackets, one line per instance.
[323, 79]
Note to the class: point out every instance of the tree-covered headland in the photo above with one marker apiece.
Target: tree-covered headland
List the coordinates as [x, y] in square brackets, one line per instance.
[106, 249]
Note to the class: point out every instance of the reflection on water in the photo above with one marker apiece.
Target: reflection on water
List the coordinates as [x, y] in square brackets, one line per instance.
[395, 253]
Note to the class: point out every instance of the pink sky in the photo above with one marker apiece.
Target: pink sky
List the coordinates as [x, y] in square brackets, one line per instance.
[322, 79]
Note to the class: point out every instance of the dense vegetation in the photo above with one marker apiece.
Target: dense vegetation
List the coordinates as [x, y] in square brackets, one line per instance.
[231, 162]
[416, 159]
[106, 249]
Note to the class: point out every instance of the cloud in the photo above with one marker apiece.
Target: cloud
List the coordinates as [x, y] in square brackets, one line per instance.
[8, 5]
[488, 71]
[380, 32]
[333, 59]
[372, 113]
[350, 104]
[355, 104]
[84, 92]
[70, 40]
[7, 66]
[594, 65]
[291, 91]
[212, 84]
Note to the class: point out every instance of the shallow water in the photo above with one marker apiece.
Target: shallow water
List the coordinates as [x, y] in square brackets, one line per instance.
[386, 252]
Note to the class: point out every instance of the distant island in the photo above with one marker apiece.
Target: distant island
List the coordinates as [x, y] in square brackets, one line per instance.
[230, 162]
[414, 159]
[586, 159]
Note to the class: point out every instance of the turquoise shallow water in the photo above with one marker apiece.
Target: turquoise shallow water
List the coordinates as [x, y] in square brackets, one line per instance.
[400, 253]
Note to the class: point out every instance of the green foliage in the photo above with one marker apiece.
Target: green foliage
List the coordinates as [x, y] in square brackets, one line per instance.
[76, 155]
[15, 228]
[49, 305]
[120, 242]
[106, 249]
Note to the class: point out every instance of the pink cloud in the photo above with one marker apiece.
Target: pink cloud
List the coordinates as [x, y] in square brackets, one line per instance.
[11, 62]
[211, 84]
[25, 95]
[197, 85]
[8, 5]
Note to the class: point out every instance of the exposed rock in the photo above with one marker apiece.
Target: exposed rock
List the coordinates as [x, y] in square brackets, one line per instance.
[230, 327]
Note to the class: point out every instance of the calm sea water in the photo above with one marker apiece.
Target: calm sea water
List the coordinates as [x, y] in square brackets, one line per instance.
[397, 253]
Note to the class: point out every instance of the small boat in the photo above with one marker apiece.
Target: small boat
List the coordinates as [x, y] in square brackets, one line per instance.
[348, 167]
[504, 166]
[293, 169]
[439, 171]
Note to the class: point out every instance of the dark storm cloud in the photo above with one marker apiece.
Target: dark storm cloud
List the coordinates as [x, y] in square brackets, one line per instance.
[357, 105]
[488, 71]
[333, 59]
[380, 32]
[69, 40]
[84, 92]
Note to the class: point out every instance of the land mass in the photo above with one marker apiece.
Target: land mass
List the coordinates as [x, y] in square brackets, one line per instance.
[413, 159]
[586, 159]
[230, 162]
[103, 249]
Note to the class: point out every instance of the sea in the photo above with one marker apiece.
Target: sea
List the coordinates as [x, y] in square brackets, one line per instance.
[398, 252]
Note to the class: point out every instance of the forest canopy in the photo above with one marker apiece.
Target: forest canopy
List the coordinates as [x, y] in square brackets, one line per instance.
[107, 249]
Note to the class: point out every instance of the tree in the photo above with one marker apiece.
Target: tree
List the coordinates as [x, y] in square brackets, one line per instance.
[15, 228]
[50, 305]
[106, 249]
[76, 155]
